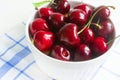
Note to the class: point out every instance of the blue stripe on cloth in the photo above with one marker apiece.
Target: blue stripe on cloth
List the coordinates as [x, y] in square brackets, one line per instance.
[17, 69]
[16, 42]
[16, 59]
[22, 71]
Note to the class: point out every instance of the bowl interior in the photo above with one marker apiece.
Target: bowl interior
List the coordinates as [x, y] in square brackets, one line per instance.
[73, 3]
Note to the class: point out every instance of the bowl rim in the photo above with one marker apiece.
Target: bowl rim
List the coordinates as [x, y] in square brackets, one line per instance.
[54, 59]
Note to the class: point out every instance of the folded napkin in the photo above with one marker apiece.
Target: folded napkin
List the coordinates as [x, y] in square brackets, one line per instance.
[17, 61]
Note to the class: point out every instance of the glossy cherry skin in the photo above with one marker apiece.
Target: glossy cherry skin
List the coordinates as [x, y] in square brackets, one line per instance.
[78, 17]
[68, 34]
[61, 4]
[87, 36]
[88, 9]
[104, 13]
[45, 12]
[60, 52]
[38, 24]
[99, 46]
[56, 20]
[63, 7]
[83, 52]
[43, 40]
[107, 30]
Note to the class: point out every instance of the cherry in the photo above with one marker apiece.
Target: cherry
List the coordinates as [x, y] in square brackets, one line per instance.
[60, 52]
[43, 40]
[63, 7]
[99, 46]
[58, 1]
[45, 12]
[78, 17]
[56, 20]
[107, 30]
[79, 33]
[38, 24]
[104, 13]
[88, 9]
[68, 34]
[83, 52]
[87, 36]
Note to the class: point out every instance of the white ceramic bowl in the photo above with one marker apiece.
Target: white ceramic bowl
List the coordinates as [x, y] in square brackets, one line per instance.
[63, 70]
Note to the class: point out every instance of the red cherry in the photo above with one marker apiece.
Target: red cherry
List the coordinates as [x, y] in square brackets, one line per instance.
[63, 7]
[104, 13]
[72, 34]
[45, 12]
[60, 53]
[58, 1]
[78, 17]
[99, 46]
[56, 20]
[38, 24]
[68, 34]
[83, 52]
[107, 30]
[87, 36]
[88, 9]
[43, 40]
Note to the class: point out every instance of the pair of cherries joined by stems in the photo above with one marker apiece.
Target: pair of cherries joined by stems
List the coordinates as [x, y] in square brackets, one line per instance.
[72, 34]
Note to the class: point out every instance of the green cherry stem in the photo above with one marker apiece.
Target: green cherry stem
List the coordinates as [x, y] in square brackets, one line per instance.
[113, 39]
[51, 2]
[89, 22]
[97, 25]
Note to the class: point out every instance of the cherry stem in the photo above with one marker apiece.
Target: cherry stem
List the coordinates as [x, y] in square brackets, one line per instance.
[112, 39]
[32, 41]
[89, 22]
[97, 25]
[51, 2]
[111, 7]
[98, 21]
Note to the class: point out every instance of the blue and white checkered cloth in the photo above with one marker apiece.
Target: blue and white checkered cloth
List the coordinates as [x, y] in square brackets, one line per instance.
[17, 62]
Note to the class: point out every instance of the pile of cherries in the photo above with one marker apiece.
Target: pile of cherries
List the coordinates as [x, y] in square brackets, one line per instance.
[67, 33]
